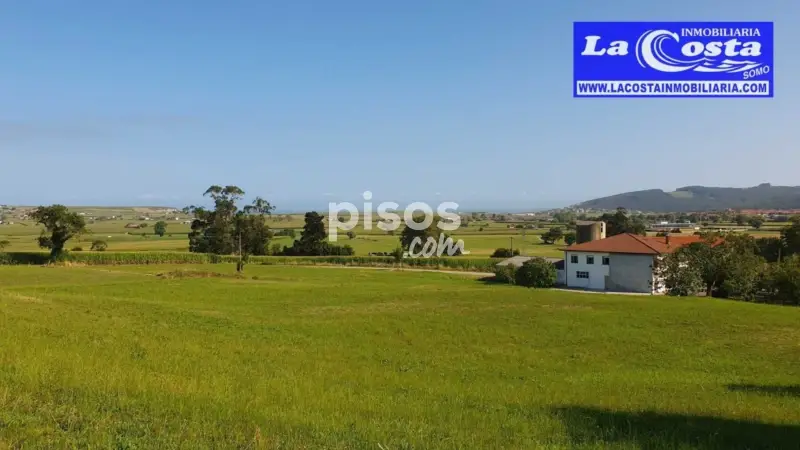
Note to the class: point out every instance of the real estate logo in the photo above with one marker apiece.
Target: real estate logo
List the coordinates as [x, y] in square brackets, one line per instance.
[390, 221]
[673, 59]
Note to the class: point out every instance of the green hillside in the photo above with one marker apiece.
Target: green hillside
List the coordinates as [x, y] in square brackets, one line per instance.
[702, 198]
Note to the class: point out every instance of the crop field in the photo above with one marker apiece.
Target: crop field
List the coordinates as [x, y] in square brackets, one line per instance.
[294, 357]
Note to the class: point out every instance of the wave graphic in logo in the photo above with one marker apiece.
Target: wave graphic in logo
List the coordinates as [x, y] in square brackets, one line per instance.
[649, 53]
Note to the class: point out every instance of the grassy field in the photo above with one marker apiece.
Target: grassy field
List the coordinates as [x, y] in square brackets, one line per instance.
[290, 357]
[22, 237]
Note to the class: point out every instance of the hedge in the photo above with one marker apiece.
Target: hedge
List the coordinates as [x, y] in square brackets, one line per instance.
[119, 258]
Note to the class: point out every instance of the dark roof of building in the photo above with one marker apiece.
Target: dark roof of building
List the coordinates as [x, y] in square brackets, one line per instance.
[635, 244]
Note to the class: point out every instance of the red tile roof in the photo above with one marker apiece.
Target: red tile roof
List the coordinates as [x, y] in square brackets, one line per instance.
[634, 244]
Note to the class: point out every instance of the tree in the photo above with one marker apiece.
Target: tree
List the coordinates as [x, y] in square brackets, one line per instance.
[313, 240]
[160, 228]
[259, 206]
[741, 219]
[790, 236]
[552, 235]
[4, 244]
[505, 274]
[504, 253]
[756, 222]
[729, 267]
[251, 235]
[313, 235]
[564, 216]
[61, 224]
[677, 275]
[771, 248]
[619, 223]
[351, 235]
[225, 229]
[536, 272]
[408, 235]
[782, 281]
[99, 246]
[570, 238]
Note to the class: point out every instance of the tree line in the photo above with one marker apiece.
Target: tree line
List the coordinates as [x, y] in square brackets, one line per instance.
[737, 266]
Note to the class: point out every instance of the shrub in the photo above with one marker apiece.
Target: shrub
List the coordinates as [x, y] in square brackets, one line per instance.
[276, 249]
[504, 253]
[782, 281]
[77, 249]
[351, 235]
[99, 246]
[537, 273]
[505, 274]
[286, 232]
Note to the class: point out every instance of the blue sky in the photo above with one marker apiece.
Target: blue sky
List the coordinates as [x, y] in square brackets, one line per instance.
[302, 102]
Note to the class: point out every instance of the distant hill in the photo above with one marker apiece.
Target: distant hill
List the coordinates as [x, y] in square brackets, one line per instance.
[701, 198]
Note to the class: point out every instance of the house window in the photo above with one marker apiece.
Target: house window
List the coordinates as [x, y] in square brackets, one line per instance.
[580, 274]
[573, 259]
[590, 260]
[606, 260]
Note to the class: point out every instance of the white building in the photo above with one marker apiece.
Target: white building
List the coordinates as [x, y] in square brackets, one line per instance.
[621, 263]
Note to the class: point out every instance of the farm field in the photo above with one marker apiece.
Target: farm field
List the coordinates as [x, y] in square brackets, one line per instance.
[22, 238]
[291, 357]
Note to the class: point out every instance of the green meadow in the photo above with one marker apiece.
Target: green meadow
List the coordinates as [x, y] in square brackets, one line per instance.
[348, 358]
[22, 238]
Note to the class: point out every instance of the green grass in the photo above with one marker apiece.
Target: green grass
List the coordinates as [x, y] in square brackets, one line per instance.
[291, 357]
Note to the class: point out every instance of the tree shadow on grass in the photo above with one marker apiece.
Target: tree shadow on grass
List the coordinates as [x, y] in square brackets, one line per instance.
[594, 427]
[789, 391]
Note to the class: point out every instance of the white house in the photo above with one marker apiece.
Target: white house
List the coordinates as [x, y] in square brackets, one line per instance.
[620, 263]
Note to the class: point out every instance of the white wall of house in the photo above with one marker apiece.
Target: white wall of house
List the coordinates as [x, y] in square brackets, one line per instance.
[631, 273]
[583, 275]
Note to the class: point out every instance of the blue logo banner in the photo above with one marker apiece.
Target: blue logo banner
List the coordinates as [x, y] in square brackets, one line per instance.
[673, 59]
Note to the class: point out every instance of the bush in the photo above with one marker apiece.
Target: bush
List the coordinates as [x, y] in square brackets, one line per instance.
[286, 232]
[782, 282]
[537, 273]
[504, 253]
[99, 246]
[77, 249]
[505, 274]
[351, 235]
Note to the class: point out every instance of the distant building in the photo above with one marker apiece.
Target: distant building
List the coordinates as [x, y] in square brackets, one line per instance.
[587, 231]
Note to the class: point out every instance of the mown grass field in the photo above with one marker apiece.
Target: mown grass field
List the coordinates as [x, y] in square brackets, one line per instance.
[291, 357]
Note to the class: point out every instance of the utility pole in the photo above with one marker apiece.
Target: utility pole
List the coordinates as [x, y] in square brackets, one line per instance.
[240, 265]
[512, 245]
